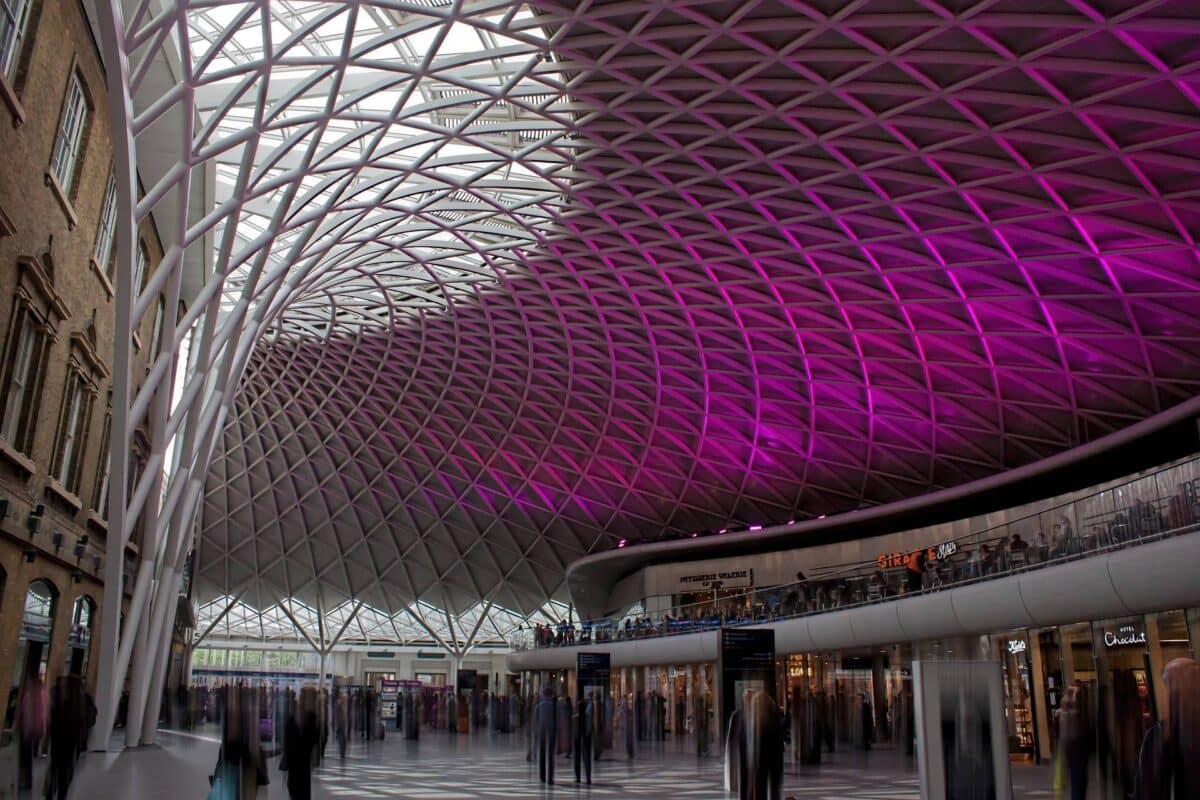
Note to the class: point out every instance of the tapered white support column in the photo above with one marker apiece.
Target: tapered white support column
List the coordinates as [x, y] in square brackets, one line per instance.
[139, 683]
[163, 626]
[120, 109]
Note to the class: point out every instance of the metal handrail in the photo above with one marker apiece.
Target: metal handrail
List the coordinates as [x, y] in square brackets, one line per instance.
[1138, 521]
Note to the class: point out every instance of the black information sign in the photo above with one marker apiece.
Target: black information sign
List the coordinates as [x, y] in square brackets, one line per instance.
[466, 680]
[747, 663]
[591, 669]
[592, 673]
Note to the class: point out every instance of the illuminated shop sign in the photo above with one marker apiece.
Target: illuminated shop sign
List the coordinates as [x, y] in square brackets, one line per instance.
[933, 553]
[1017, 646]
[734, 578]
[1124, 636]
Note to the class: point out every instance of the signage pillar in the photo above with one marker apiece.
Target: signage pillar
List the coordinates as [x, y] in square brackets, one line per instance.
[962, 735]
[745, 662]
[593, 677]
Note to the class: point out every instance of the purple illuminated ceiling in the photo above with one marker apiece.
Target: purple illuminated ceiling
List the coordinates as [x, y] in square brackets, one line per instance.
[815, 256]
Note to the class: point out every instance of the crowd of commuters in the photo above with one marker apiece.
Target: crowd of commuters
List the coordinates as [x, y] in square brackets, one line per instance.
[260, 726]
[54, 723]
[438, 708]
[951, 563]
[1168, 754]
[260, 723]
[561, 727]
[1167, 765]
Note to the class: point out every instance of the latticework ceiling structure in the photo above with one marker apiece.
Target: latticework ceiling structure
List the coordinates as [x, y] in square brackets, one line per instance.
[232, 620]
[512, 281]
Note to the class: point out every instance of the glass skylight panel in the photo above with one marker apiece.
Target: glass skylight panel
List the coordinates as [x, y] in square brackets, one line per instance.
[420, 42]
[222, 15]
[393, 134]
[462, 39]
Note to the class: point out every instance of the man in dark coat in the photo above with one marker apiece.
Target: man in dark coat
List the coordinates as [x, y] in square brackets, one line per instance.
[762, 750]
[585, 724]
[300, 742]
[545, 721]
[341, 719]
[66, 723]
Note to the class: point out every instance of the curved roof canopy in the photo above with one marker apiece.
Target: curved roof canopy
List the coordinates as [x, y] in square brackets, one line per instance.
[511, 281]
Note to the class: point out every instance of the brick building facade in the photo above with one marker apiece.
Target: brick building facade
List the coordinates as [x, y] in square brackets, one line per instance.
[56, 339]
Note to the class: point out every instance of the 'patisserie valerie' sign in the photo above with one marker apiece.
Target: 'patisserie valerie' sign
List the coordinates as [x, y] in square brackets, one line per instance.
[729, 579]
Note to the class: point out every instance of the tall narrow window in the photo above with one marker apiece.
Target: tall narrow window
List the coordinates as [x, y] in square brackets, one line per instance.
[14, 25]
[138, 457]
[139, 268]
[72, 433]
[70, 134]
[24, 359]
[156, 336]
[107, 233]
[37, 310]
[79, 638]
[100, 499]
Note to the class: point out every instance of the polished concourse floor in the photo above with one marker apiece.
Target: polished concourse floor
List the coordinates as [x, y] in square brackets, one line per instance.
[486, 767]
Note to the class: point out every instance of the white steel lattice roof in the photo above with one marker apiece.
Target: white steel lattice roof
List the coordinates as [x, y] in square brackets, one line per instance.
[228, 618]
[500, 283]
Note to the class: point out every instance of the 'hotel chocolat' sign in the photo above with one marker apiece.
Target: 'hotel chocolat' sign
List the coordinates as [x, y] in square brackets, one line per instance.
[1124, 636]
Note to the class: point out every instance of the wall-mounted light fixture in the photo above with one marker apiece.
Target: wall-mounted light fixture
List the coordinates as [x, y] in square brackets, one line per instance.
[34, 521]
[30, 555]
[76, 576]
[57, 539]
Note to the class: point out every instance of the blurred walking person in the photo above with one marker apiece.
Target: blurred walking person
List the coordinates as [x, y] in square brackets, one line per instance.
[585, 730]
[30, 724]
[322, 723]
[1075, 736]
[867, 721]
[67, 723]
[545, 722]
[1169, 762]
[303, 739]
[240, 769]
[341, 720]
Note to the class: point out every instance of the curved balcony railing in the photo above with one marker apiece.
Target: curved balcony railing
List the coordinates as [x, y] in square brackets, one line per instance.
[1160, 504]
